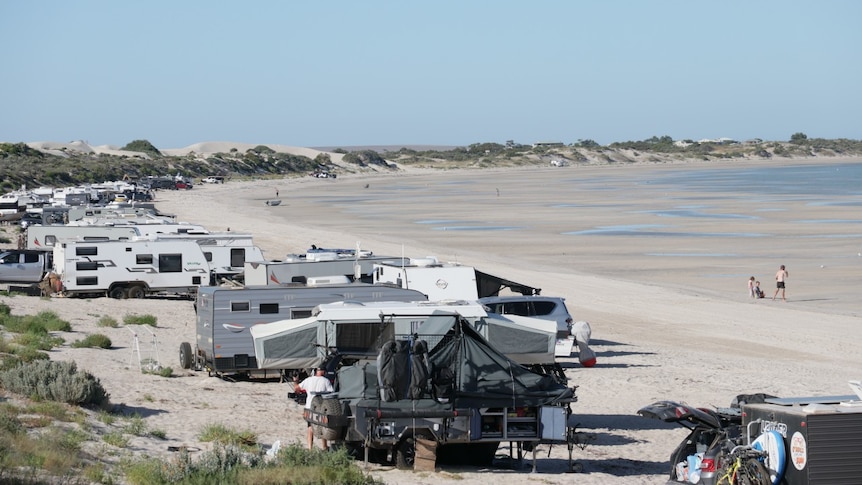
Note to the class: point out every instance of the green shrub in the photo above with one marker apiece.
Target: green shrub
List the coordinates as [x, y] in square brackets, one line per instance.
[136, 426]
[38, 341]
[9, 422]
[55, 381]
[116, 438]
[221, 434]
[5, 310]
[108, 321]
[140, 320]
[95, 340]
[41, 323]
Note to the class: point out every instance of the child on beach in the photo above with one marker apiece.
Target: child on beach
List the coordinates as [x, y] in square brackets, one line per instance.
[751, 292]
[757, 291]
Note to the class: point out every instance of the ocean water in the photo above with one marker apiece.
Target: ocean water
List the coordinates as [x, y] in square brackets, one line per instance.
[825, 180]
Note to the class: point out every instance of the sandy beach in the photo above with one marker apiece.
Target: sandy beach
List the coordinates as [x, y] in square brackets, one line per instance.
[658, 269]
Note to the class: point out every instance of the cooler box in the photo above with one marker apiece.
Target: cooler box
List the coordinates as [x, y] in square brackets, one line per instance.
[822, 437]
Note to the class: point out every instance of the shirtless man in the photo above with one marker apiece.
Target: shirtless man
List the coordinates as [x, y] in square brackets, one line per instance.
[780, 276]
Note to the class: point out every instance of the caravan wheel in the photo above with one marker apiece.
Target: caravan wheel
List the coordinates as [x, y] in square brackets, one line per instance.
[117, 293]
[186, 355]
[136, 292]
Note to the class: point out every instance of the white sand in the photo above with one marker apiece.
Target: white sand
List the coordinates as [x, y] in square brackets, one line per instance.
[670, 315]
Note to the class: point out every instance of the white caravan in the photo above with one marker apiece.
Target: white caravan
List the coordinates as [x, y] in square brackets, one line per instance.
[45, 237]
[297, 268]
[440, 281]
[131, 269]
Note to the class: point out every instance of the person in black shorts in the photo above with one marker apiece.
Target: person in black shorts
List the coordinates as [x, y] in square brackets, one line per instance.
[780, 277]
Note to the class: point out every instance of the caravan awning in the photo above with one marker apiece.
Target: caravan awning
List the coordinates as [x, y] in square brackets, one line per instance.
[490, 285]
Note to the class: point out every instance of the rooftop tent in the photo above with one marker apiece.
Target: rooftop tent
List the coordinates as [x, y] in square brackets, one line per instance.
[288, 344]
[490, 285]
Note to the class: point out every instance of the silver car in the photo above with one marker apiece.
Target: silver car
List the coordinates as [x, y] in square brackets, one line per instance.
[545, 307]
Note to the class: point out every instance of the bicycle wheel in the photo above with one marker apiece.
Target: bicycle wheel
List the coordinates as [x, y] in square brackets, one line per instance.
[753, 472]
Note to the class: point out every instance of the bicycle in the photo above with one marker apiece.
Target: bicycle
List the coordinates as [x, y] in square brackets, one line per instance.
[743, 466]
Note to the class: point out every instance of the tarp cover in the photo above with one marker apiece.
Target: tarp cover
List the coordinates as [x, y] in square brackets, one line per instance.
[483, 377]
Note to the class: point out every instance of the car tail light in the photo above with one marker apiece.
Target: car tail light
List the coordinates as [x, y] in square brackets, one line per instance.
[707, 465]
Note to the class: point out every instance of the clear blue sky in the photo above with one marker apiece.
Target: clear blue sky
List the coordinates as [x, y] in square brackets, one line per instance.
[346, 73]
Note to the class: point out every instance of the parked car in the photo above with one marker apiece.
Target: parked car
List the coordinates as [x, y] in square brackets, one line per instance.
[544, 307]
[24, 266]
[28, 219]
[213, 180]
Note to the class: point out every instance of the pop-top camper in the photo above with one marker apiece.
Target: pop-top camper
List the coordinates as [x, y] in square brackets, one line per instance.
[225, 316]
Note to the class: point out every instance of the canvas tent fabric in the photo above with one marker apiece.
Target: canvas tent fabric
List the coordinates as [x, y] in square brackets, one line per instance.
[288, 344]
[482, 377]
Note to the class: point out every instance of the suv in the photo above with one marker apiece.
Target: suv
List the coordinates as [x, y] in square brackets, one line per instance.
[544, 307]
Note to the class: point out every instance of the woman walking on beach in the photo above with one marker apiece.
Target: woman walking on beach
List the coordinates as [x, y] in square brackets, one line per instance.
[780, 276]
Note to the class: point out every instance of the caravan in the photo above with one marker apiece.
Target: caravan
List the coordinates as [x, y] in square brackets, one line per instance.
[130, 269]
[225, 316]
[297, 268]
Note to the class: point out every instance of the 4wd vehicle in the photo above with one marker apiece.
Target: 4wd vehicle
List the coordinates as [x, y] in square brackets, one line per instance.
[24, 266]
[544, 307]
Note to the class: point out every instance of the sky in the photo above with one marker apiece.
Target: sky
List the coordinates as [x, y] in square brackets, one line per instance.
[443, 72]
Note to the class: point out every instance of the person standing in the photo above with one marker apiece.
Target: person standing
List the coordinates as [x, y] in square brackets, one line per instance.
[315, 385]
[780, 277]
[751, 292]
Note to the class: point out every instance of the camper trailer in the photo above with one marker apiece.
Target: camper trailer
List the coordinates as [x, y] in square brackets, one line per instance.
[225, 316]
[296, 268]
[358, 329]
[131, 269]
[411, 373]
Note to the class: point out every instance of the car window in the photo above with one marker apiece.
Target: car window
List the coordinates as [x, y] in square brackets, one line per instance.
[544, 307]
[521, 308]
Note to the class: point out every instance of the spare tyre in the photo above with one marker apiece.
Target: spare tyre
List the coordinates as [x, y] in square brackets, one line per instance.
[331, 407]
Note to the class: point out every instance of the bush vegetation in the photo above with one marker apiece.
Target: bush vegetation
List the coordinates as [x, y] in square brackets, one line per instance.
[55, 381]
[140, 320]
[95, 340]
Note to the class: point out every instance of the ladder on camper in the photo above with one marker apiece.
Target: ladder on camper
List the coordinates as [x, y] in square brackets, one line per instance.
[148, 358]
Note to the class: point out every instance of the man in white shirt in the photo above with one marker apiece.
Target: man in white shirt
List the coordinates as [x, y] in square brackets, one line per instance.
[314, 385]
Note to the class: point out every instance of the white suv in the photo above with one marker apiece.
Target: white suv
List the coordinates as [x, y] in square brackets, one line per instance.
[544, 307]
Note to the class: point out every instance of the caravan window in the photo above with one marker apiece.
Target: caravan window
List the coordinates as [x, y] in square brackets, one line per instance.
[237, 257]
[239, 306]
[170, 263]
[50, 240]
[300, 312]
[208, 256]
[268, 308]
[362, 337]
[86, 265]
[143, 259]
[86, 251]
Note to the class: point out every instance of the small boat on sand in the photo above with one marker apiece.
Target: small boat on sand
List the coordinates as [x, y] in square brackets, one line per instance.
[273, 202]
